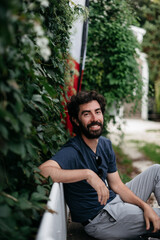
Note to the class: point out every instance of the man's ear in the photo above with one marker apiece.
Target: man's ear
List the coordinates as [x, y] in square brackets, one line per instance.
[75, 121]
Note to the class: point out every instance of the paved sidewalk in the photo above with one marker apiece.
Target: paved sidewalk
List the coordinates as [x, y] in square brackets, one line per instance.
[135, 130]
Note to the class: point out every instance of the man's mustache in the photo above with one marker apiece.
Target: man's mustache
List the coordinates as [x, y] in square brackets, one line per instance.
[94, 123]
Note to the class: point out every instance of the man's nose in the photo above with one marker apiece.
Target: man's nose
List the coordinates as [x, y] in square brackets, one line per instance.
[94, 117]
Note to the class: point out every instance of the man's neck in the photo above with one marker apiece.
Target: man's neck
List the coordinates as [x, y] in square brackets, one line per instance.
[92, 143]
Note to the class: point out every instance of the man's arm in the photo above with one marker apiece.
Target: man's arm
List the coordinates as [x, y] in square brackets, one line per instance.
[51, 168]
[128, 196]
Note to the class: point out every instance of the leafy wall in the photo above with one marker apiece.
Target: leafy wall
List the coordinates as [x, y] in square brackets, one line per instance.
[111, 65]
[148, 12]
[151, 46]
[34, 40]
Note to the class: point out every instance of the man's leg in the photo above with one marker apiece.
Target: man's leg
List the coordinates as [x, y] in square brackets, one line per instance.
[121, 220]
[118, 220]
[146, 183]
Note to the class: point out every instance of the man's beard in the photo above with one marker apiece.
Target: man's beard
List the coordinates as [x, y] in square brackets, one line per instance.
[91, 134]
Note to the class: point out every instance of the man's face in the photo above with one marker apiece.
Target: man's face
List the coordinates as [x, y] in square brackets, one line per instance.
[90, 119]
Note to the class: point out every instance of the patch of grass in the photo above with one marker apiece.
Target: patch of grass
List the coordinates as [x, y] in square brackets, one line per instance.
[153, 130]
[152, 151]
[136, 141]
[124, 164]
[124, 177]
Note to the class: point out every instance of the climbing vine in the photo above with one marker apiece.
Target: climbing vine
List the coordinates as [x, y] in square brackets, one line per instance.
[34, 42]
[111, 66]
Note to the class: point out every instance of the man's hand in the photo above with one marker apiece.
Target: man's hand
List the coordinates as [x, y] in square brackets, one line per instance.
[99, 186]
[151, 216]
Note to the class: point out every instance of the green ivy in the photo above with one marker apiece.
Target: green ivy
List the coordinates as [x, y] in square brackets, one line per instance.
[111, 66]
[34, 41]
[148, 12]
[152, 48]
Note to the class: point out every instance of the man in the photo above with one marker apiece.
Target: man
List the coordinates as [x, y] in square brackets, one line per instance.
[94, 192]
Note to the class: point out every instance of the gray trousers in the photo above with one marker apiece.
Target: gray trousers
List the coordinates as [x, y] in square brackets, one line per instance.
[120, 220]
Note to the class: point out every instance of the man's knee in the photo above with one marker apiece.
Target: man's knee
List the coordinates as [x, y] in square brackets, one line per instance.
[156, 168]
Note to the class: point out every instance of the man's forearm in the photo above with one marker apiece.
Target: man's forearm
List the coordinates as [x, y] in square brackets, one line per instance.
[125, 193]
[128, 196]
[65, 176]
[53, 169]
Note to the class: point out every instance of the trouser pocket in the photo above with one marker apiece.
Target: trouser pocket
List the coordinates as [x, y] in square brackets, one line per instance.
[97, 228]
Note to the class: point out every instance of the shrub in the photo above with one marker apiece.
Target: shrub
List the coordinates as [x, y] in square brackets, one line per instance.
[111, 66]
[34, 38]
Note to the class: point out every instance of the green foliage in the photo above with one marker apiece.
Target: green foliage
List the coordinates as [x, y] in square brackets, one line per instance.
[151, 46]
[157, 95]
[111, 67]
[124, 164]
[151, 150]
[148, 13]
[34, 38]
[151, 39]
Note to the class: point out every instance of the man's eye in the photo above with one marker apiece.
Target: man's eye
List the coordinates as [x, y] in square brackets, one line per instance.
[86, 114]
[98, 112]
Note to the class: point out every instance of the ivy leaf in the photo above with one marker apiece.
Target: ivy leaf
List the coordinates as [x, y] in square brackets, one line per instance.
[41, 189]
[3, 131]
[18, 148]
[36, 196]
[50, 89]
[26, 120]
[31, 149]
[24, 204]
[5, 211]
[37, 98]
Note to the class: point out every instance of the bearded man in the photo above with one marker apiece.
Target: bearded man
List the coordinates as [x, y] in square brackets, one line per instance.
[94, 192]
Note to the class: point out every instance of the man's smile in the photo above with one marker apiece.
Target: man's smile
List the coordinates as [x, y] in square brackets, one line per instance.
[95, 127]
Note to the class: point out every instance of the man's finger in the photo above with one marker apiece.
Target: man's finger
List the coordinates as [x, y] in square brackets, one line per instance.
[105, 196]
[100, 197]
[156, 227]
[147, 224]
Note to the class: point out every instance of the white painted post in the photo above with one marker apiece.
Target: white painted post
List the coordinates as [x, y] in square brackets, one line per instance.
[145, 79]
[139, 33]
[54, 225]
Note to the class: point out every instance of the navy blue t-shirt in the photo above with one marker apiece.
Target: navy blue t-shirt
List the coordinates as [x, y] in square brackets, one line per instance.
[81, 197]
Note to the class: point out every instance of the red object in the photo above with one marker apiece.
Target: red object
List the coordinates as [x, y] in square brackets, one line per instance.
[78, 54]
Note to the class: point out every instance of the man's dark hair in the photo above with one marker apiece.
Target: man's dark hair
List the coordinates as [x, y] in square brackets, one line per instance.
[81, 98]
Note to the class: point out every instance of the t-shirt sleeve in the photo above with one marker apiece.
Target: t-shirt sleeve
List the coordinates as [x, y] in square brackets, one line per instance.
[112, 159]
[66, 158]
